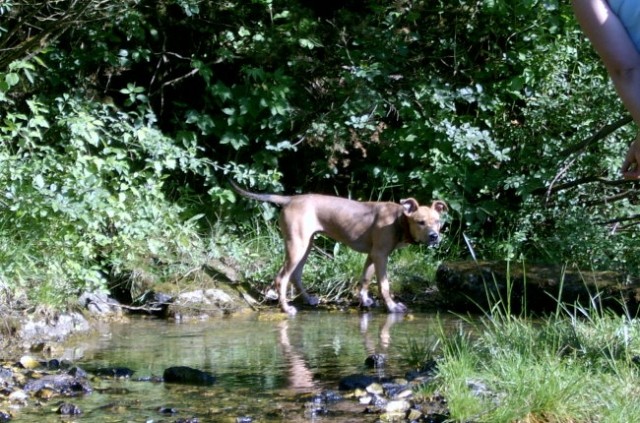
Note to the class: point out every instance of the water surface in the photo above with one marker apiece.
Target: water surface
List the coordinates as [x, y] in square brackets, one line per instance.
[267, 368]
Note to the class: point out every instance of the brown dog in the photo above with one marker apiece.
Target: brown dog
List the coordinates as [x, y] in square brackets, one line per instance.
[374, 228]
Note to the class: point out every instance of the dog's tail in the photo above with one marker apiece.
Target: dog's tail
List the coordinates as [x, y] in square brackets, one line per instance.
[270, 198]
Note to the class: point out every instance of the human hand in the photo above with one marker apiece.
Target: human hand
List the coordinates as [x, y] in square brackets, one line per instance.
[631, 165]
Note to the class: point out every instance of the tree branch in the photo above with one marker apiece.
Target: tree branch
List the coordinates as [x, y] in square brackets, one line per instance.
[612, 198]
[601, 134]
[635, 217]
[582, 181]
[32, 25]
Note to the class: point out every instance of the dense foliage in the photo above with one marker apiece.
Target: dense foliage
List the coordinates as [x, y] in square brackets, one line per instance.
[121, 121]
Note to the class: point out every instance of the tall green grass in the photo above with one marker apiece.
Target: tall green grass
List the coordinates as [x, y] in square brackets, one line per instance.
[576, 365]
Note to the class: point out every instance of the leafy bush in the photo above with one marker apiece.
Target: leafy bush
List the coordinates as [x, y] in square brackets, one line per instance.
[491, 106]
[83, 194]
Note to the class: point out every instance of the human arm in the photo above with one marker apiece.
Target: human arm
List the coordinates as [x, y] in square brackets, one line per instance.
[621, 59]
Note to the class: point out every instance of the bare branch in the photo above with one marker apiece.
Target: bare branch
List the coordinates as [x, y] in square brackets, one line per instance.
[178, 79]
[583, 181]
[635, 219]
[613, 198]
[601, 134]
[556, 178]
[32, 25]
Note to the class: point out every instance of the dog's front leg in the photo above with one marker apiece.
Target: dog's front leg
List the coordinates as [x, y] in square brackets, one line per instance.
[380, 263]
[365, 280]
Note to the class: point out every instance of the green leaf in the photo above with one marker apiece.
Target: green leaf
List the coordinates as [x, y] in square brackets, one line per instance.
[237, 141]
[306, 43]
[230, 111]
[38, 182]
[12, 79]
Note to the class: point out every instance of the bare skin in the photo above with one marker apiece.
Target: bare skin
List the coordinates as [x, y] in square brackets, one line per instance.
[622, 61]
[374, 228]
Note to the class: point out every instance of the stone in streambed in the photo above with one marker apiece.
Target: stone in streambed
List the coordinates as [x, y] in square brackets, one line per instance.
[188, 376]
[356, 381]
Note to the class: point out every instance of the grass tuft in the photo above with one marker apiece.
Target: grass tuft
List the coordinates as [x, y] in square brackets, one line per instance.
[575, 365]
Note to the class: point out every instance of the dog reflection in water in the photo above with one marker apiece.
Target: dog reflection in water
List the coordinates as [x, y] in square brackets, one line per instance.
[301, 378]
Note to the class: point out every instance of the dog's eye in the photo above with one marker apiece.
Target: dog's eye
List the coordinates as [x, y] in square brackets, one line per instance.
[422, 222]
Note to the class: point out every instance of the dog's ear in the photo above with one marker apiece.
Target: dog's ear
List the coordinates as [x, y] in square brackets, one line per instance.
[439, 206]
[410, 205]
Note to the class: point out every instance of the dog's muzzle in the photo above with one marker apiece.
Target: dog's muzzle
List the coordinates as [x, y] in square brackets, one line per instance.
[434, 239]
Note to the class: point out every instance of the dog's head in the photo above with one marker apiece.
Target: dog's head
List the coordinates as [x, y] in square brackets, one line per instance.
[424, 222]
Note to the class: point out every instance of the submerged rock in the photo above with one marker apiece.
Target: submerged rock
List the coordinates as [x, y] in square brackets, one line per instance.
[356, 381]
[375, 361]
[62, 384]
[68, 409]
[18, 396]
[6, 376]
[187, 375]
[318, 404]
[167, 410]
[394, 399]
[115, 372]
[77, 372]
[425, 374]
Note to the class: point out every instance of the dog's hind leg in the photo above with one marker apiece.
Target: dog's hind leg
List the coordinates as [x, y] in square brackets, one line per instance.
[296, 252]
[312, 300]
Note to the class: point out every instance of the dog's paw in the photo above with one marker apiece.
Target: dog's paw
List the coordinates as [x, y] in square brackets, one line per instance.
[312, 300]
[290, 310]
[366, 302]
[365, 299]
[397, 308]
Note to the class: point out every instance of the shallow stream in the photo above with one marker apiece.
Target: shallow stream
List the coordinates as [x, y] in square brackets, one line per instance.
[267, 368]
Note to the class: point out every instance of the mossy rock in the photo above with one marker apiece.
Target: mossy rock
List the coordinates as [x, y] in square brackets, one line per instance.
[477, 286]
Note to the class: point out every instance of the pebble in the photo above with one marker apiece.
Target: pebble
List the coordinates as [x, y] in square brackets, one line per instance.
[29, 362]
[397, 406]
[407, 393]
[5, 416]
[375, 388]
[414, 415]
[68, 409]
[365, 400]
[18, 396]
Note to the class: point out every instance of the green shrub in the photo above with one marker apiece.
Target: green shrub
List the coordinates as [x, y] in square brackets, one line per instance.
[84, 195]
